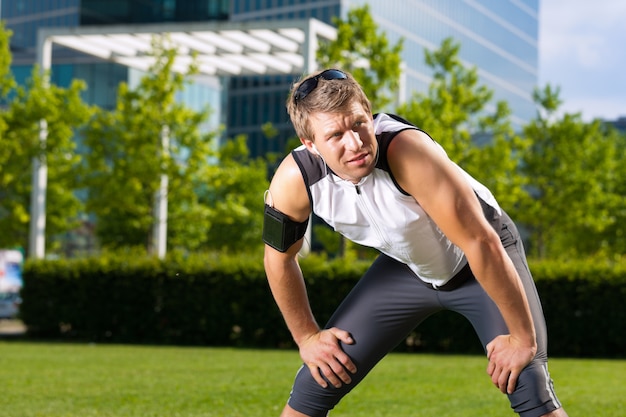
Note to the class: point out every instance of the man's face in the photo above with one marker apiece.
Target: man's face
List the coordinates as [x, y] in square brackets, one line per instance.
[346, 141]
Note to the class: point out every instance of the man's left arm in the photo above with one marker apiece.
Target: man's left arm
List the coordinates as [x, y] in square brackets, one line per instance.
[422, 169]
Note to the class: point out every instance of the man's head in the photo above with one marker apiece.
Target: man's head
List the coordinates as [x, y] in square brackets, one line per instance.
[327, 91]
[333, 118]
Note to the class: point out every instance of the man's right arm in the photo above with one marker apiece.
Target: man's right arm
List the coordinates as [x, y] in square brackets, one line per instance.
[320, 350]
[288, 288]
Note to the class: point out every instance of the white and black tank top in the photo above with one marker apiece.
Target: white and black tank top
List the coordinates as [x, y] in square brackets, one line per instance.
[377, 213]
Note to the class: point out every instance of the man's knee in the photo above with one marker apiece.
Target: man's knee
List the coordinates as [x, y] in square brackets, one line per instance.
[308, 398]
[534, 395]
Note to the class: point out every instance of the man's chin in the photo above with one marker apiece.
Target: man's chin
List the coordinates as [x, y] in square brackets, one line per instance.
[356, 175]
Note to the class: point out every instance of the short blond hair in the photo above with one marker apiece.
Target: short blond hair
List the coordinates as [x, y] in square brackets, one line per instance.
[329, 96]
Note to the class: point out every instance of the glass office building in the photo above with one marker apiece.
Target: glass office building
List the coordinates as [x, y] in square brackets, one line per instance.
[25, 17]
[107, 12]
[499, 37]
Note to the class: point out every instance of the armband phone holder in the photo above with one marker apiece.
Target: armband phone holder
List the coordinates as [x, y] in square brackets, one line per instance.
[279, 231]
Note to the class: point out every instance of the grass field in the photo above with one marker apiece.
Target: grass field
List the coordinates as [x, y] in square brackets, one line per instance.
[81, 380]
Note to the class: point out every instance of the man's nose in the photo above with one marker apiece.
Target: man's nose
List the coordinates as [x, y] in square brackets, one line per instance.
[353, 140]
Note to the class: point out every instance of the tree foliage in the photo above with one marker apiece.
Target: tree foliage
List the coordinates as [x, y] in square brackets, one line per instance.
[64, 112]
[233, 190]
[213, 192]
[366, 53]
[6, 79]
[562, 178]
[576, 176]
[127, 157]
[457, 111]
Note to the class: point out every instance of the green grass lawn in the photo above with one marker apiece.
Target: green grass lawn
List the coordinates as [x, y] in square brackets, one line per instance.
[80, 380]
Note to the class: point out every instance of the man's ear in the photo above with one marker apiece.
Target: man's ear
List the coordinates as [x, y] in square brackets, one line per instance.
[309, 145]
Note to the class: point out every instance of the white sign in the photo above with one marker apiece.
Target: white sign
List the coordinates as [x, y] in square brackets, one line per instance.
[11, 270]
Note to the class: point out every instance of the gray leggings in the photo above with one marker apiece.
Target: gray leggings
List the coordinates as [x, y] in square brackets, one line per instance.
[390, 301]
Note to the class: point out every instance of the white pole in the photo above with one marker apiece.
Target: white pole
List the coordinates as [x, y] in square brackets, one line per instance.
[160, 204]
[402, 93]
[37, 233]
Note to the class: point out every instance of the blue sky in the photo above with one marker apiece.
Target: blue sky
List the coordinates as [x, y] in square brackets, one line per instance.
[582, 50]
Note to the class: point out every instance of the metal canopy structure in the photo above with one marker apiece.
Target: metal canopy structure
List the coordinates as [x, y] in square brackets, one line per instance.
[219, 49]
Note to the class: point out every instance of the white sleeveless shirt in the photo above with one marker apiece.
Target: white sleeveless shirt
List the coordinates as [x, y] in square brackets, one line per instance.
[378, 214]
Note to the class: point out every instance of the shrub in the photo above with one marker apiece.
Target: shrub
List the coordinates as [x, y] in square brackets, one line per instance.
[224, 300]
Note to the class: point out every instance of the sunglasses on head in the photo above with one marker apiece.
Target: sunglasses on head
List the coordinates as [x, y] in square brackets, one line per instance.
[310, 84]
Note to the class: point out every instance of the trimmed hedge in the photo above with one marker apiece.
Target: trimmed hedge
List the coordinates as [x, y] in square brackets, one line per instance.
[584, 306]
[221, 300]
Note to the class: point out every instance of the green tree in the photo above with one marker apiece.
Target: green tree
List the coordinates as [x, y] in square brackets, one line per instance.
[614, 238]
[576, 172]
[8, 150]
[457, 111]
[64, 112]
[6, 78]
[215, 197]
[366, 53]
[126, 159]
[233, 190]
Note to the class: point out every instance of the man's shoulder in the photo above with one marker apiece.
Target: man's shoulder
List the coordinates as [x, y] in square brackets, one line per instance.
[311, 167]
[287, 191]
[390, 123]
[388, 127]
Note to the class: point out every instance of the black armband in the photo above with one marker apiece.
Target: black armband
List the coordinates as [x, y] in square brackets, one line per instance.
[279, 231]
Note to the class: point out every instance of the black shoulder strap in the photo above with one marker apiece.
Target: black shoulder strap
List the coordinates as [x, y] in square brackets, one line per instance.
[311, 167]
[384, 140]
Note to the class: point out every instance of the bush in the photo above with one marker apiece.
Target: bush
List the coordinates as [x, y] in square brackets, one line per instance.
[224, 300]
[583, 304]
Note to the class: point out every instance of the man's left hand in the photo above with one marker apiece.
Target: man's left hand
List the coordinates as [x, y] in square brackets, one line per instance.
[507, 358]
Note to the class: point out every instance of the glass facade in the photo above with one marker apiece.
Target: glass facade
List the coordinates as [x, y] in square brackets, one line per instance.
[253, 101]
[24, 17]
[106, 12]
[499, 37]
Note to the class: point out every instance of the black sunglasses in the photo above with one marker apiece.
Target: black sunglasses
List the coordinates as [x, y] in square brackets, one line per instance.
[310, 84]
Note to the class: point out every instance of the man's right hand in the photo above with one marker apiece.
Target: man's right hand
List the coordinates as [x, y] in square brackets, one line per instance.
[322, 353]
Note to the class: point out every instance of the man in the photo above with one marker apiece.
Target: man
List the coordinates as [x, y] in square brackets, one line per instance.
[444, 242]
